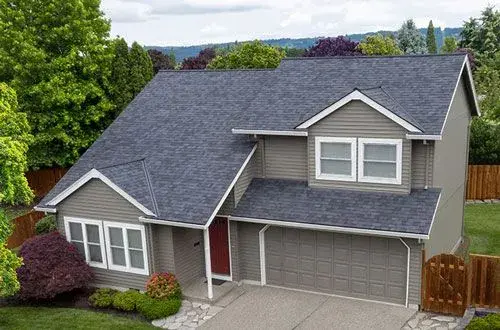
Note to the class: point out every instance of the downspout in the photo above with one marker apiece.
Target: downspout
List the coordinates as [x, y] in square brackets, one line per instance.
[208, 266]
[426, 172]
[407, 270]
[262, 251]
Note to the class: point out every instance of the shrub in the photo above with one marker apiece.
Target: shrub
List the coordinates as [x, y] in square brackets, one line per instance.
[163, 286]
[126, 301]
[46, 225]
[490, 322]
[153, 309]
[51, 266]
[102, 298]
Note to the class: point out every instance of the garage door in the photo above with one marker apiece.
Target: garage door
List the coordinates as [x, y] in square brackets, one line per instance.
[349, 265]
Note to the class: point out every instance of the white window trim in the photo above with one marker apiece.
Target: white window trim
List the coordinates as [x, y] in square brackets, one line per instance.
[399, 160]
[128, 268]
[83, 222]
[337, 177]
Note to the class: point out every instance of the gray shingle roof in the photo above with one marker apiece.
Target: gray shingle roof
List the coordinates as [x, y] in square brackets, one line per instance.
[295, 201]
[172, 148]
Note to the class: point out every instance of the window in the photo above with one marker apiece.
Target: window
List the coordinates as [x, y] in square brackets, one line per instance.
[111, 245]
[335, 158]
[88, 238]
[126, 247]
[380, 160]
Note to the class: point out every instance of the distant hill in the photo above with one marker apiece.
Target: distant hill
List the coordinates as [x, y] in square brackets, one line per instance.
[187, 51]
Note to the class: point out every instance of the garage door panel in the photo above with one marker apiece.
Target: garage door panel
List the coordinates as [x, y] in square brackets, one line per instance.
[351, 265]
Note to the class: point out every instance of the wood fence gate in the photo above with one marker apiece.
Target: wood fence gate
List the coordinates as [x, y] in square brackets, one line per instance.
[444, 285]
[449, 285]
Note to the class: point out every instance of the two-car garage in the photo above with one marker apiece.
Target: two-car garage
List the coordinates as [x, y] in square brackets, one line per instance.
[366, 267]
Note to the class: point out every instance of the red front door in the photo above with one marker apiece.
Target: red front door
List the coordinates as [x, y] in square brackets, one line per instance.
[219, 246]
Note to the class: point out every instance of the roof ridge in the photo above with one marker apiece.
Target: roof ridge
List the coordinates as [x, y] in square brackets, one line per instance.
[121, 164]
[217, 70]
[370, 56]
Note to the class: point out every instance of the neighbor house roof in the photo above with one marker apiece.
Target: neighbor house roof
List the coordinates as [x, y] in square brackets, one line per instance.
[172, 149]
[294, 201]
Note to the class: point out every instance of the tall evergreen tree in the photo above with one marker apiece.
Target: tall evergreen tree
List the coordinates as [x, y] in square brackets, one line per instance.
[483, 34]
[120, 90]
[431, 39]
[141, 68]
[450, 45]
[56, 56]
[410, 41]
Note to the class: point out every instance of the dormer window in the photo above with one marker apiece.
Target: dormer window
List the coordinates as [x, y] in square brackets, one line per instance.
[336, 158]
[376, 160]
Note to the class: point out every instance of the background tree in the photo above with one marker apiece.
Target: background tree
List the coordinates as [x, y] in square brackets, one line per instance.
[431, 39]
[120, 89]
[484, 142]
[56, 56]
[294, 52]
[339, 46]
[141, 68]
[410, 41]
[250, 55]
[483, 34]
[377, 44]
[450, 45]
[14, 139]
[487, 78]
[199, 62]
[9, 262]
[161, 61]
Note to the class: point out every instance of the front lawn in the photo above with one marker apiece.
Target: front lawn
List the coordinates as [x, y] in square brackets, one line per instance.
[21, 318]
[482, 227]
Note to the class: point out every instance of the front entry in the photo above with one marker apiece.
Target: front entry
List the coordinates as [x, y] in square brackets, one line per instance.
[219, 246]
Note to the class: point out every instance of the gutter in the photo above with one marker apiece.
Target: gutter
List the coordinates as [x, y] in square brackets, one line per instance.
[45, 209]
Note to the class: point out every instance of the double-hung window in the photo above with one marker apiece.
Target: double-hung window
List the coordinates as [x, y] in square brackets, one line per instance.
[380, 160]
[87, 237]
[335, 158]
[126, 247]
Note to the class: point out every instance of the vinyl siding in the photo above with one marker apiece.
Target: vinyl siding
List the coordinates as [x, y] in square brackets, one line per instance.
[188, 254]
[285, 157]
[356, 119]
[422, 157]
[235, 257]
[414, 295]
[245, 178]
[450, 169]
[248, 250]
[228, 205]
[164, 248]
[96, 201]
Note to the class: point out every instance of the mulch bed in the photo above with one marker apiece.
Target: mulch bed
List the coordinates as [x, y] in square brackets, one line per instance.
[73, 299]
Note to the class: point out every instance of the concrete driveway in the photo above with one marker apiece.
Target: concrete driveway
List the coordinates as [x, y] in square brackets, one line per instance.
[275, 308]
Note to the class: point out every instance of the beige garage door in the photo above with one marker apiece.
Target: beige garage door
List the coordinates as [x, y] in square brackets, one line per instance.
[349, 265]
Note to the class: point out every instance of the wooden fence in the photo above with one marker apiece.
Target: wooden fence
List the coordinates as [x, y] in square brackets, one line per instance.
[41, 181]
[449, 285]
[24, 228]
[483, 182]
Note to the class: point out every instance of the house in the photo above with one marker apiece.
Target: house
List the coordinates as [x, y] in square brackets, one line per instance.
[326, 174]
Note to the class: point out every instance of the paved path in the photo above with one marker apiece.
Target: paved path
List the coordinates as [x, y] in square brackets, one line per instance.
[191, 315]
[424, 321]
[274, 308]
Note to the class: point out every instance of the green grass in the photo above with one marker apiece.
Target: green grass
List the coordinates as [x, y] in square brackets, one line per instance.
[21, 318]
[482, 227]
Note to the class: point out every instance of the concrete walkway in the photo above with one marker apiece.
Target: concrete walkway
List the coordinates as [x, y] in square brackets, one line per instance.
[275, 308]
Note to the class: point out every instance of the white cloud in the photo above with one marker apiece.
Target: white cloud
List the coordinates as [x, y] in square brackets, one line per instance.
[213, 29]
[297, 18]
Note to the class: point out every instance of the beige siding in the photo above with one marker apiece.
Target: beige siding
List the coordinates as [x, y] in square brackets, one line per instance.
[228, 205]
[422, 157]
[450, 168]
[235, 257]
[244, 180]
[96, 201]
[248, 250]
[164, 248]
[414, 296]
[285, 157]
[356, 119]
[188, 254]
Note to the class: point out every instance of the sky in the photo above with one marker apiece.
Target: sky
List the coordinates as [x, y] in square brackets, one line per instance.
[191, 22]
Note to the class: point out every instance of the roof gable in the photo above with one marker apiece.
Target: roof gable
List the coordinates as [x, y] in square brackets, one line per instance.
[357, 95]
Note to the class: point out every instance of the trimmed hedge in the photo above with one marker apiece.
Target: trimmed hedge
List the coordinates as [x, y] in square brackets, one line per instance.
[126, 301]
[102, 298]
[153, 309]
[46, 225]
[488, 322]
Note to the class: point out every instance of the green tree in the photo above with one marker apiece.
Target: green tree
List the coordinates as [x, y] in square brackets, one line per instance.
[120, 89]
[294, 52]
[450, 45]
[484, 142]
[9, 261]
[410, 41]
[141, 68]
[377, 44]
[14, 139]
[487, 78]
[483, 34]
[56, 56]
[249, 55]
[431, 39]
